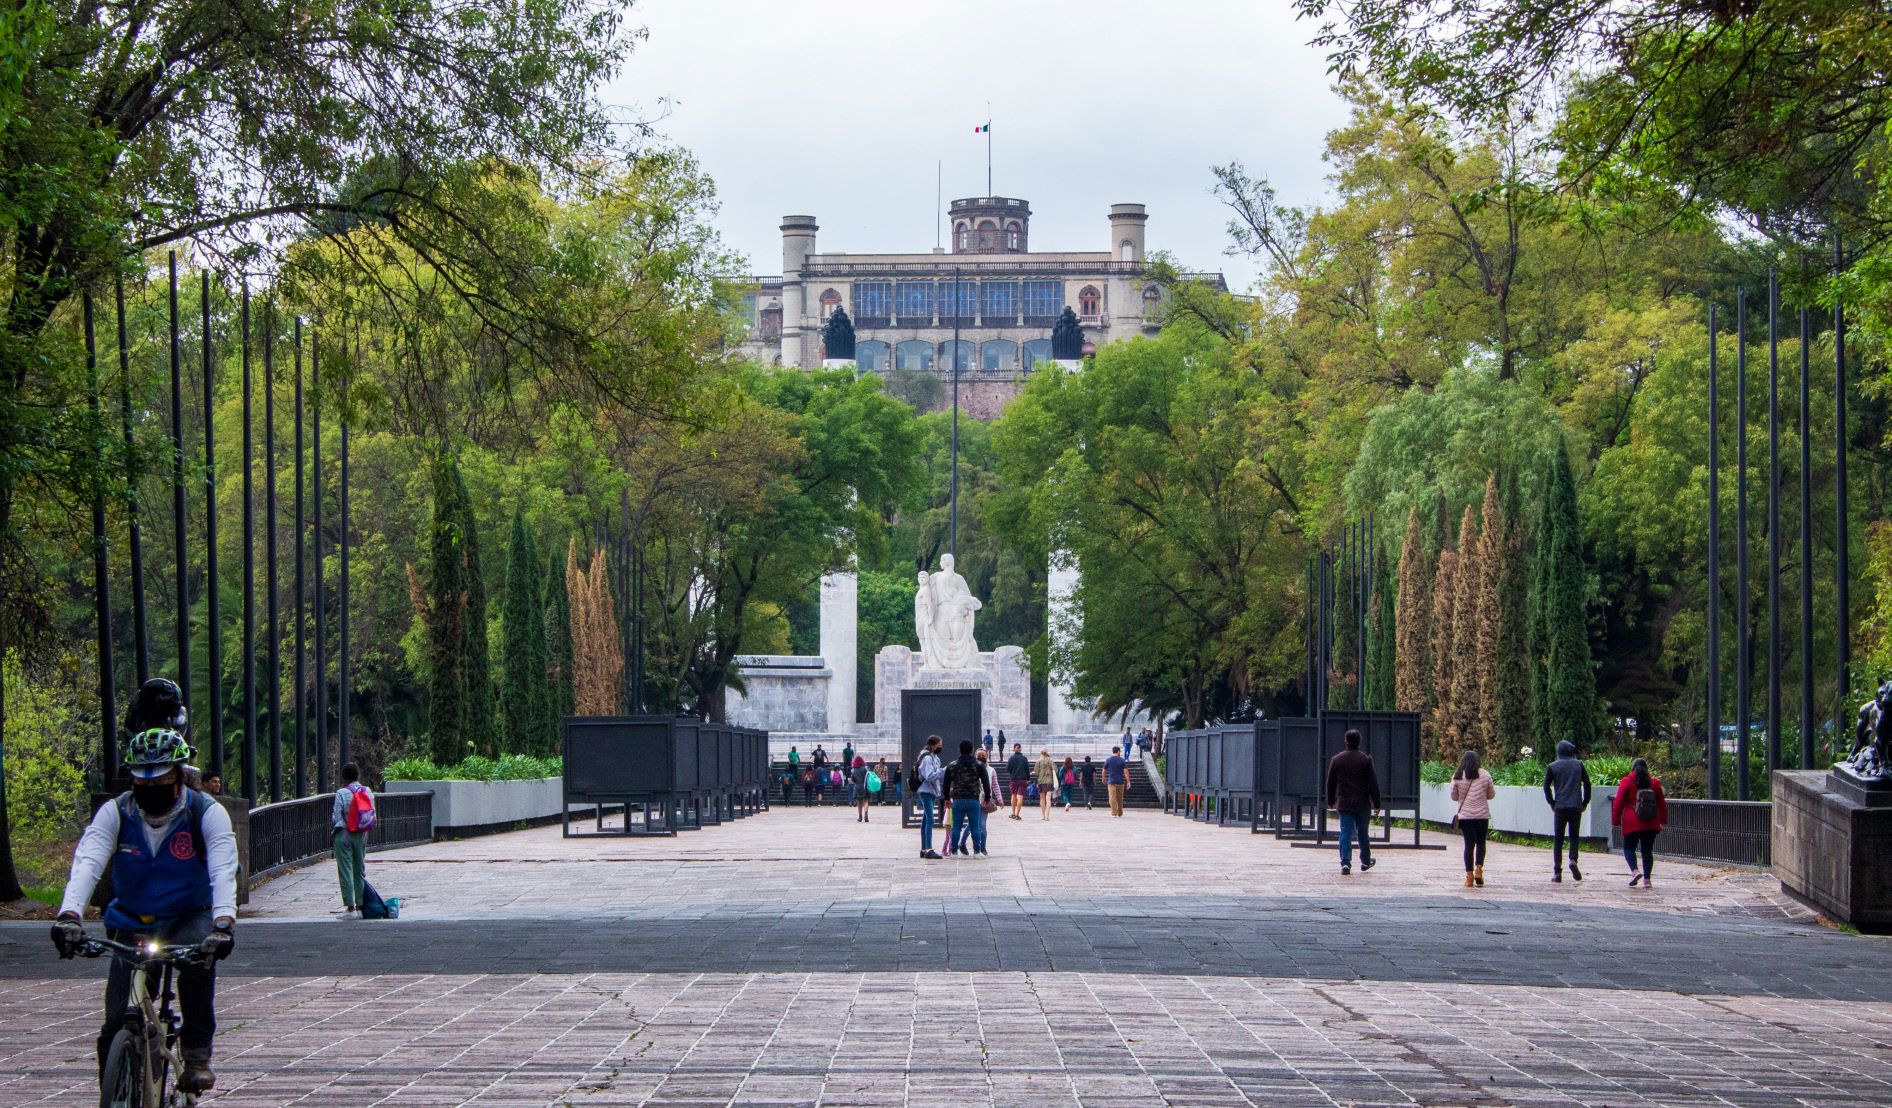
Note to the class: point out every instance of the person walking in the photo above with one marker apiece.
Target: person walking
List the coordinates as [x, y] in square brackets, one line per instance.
[1116, 776]
[967, 790]
[1641, 809]
[985, 740]
[887, 781]
[926, 784]
[1474, 789]
[1018, 774]
[1567, 791]
[857, 788]
[1088, 773]
[820, 757]
[1067, 780]
[1046, 772]
[1353, 790]
[821, 783]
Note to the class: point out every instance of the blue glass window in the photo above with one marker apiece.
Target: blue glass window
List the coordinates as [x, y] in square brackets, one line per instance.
[1037, 350]
[965, 306]
[1043, 300]
[873, 301]
[964, 358]
[998, 301]
[998, 356]
[872, 355]
[913, 301]
[913, 354]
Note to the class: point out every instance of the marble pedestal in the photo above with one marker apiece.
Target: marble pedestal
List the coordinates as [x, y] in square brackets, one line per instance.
[1002, 679]
[1832, 845]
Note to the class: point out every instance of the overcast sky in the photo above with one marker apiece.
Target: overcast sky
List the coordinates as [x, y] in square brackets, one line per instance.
[842, 109]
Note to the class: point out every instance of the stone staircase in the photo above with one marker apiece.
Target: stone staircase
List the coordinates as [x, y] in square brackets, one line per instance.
[1140, 794]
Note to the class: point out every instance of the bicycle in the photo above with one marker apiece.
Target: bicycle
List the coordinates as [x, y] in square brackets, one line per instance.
[143, 1059]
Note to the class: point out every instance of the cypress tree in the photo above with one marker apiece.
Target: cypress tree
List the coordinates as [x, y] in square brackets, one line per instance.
[1463, 726]
[1564, 680]
[1513, 695]
[1487, 621]
[1384, 657]
[1442, 711]
[522, 705]
[478, 666]
[1413, 622]
[561, 701]
[445, 618]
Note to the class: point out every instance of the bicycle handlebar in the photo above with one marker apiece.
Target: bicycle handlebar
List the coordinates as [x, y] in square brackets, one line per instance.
[143, 952]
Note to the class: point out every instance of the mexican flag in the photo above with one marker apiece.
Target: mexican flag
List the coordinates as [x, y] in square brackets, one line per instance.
[987, 126]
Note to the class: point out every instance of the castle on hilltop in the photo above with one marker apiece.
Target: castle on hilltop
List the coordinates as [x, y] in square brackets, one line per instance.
[997, 294]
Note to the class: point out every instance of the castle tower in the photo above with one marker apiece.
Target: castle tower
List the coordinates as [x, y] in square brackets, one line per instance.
[798, 245]
[990, 225]
[1126, 232]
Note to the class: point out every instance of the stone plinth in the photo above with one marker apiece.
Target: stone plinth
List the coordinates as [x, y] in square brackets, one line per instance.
[783, 692]
[1832, 850]
[1002, 679]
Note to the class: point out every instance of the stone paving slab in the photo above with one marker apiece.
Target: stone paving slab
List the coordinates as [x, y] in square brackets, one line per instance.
[822, 854]
[985, 1038]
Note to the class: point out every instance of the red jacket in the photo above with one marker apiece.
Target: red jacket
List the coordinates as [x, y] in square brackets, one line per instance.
[1623, 808]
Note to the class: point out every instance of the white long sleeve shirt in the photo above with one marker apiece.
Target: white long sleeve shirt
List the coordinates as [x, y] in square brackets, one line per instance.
[101, 839]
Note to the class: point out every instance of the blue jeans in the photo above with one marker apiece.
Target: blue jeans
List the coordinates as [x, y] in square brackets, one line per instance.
[1355, 825]
[978, 827]
[966, 821]
[926, 820]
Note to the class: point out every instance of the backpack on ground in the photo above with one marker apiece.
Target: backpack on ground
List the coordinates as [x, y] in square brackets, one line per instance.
[360, 813]
[1646, 805]
[374, 906]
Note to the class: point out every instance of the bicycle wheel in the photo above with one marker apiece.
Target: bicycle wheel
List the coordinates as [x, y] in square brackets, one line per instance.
[121, 1081]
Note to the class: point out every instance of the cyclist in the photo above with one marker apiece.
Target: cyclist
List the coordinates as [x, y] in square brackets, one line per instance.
[174, 861]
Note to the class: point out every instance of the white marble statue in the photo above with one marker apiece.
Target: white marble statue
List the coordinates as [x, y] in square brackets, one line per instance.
[942, 613]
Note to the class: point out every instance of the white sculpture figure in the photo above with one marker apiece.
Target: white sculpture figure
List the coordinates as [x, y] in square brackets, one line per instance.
[945, 630]
[923, 617]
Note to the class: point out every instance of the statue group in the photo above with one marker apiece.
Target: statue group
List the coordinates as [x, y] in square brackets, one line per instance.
[1871, 756]
[942, 619]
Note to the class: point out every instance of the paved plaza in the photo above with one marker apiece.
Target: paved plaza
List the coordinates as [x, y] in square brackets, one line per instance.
[802, 958]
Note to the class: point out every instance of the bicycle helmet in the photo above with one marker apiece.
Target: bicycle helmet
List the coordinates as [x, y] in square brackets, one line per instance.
[159, 703]
[155, 752]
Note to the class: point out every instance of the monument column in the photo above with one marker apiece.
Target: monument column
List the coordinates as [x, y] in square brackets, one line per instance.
[840, 619]
[1063, 716]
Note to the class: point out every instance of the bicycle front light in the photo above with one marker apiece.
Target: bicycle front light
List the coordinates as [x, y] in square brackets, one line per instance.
[153, 949]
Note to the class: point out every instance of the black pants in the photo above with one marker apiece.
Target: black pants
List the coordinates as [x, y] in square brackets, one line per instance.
[196, 988]
[1645, 842]
[1474, 831]
[1564, 819]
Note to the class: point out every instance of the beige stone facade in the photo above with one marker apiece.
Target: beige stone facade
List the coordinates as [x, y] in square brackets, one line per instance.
[989, 293]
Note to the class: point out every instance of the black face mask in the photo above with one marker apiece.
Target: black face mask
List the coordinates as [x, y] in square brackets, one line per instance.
[155, 800]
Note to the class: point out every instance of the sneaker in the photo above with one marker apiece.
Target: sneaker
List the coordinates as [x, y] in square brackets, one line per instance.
[1367, 864]
[1635, 879]
[1648, 881]
[197, 1076]
[1575, 873]
[1557, 878]
[1345, 869]
[932, 854]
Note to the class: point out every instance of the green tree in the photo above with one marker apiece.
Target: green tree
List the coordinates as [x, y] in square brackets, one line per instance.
[523, 714]
[1563, 684]
[561, 700]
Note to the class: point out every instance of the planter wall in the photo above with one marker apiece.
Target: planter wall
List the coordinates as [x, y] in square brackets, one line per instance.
[467, 804]
[1520, 809]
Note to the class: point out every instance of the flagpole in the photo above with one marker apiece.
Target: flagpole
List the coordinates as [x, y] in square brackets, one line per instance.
[988, 150]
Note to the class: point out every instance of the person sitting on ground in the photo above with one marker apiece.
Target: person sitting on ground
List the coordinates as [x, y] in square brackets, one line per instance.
[1018, 774]
[1567, 791]
[173, 856]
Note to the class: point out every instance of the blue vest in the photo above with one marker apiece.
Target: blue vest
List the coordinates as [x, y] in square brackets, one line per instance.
[153, 891]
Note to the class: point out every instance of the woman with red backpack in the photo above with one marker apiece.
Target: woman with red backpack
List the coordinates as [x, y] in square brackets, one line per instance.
[1641, 810]
[353, 817]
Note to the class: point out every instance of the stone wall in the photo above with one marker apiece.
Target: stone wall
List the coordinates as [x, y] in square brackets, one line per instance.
[1832, 851]
[784, 693]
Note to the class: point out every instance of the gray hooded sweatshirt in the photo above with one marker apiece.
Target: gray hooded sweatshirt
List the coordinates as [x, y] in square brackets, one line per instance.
[1566, 781]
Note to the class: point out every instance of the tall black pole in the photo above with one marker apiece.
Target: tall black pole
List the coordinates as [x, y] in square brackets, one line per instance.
[300, 699]
[317, 556]
[214, 643]
[1359, 604]
[272, 665]
[1312, 605]
[1807, 736]
[1744, 642]
[1773, 522]
[1714, 565]
[249, 568]
[101, 566]
[343, 719]
[183, 598]
[953, 512]
[1842, 554]
[133, 480]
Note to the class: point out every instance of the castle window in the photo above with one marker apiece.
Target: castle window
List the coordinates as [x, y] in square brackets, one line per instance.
[956, 355]
[830, 300]
[988, 234]
[873, 302]
[872, 355]
[1042, 300]
[963, 306]
[998, 302]
[1152, 301]
[1089, 302]
[998, 355]
[1036, 350]
[913, 301]
[965, 236]
[1127, 250]
[913, 354]
[1012, 233]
